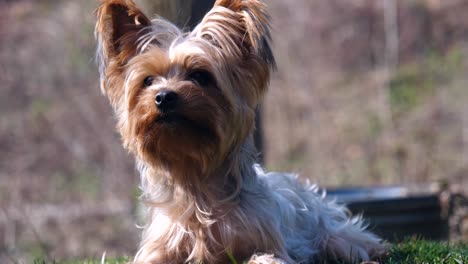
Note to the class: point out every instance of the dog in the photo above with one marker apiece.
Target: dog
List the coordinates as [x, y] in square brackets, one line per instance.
[185, 104]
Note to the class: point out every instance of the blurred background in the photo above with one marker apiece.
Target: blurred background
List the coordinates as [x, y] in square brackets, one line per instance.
[367, 93]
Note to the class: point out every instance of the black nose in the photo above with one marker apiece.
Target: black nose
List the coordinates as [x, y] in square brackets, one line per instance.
[166, 100]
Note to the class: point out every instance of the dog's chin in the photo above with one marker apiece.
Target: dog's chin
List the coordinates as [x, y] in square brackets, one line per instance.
[181, 127]
[173, 121]
[175, 140]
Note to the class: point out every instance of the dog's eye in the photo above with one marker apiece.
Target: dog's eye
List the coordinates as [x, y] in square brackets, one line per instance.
[200, 77]
[148, 81]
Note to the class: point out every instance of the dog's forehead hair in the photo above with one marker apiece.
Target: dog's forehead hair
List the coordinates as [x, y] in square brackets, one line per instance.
[153, 61]
[174, 62]
[185, 49]
[187, 56]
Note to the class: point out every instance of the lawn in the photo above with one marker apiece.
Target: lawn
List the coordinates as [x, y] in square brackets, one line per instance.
[411, 251]
[420, 251]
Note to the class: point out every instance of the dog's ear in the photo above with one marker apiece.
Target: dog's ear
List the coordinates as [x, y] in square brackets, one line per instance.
[119, 26]
[239, 27]
[240, 30]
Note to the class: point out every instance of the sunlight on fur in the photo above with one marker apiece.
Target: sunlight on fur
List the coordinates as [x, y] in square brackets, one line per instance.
[185, 104]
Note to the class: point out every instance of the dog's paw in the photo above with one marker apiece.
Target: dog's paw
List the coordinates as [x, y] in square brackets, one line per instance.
[265, 259]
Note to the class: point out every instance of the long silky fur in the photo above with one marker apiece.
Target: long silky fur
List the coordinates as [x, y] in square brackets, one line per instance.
[224, 203]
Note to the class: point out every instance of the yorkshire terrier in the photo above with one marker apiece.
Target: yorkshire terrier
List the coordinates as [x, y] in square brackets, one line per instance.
[185, 104]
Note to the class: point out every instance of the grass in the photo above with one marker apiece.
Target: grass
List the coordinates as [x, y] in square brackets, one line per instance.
[422, 252]
[121, 260]
[410, 251]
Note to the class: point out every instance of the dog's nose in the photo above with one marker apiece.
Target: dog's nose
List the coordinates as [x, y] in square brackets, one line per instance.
[166, 100]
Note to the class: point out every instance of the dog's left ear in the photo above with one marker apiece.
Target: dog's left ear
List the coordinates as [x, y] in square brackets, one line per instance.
[239, 28]
[119, 25]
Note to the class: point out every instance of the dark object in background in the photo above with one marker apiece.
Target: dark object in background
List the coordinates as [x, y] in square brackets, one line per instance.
[398, 212]
[199, 9]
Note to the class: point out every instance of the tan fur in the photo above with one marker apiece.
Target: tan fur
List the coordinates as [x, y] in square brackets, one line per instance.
[205, 197]
[118, 26]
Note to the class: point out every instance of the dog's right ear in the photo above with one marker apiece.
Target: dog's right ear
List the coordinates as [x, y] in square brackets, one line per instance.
[119, 26]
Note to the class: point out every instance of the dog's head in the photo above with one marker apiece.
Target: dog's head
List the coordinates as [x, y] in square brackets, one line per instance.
[184, 99]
